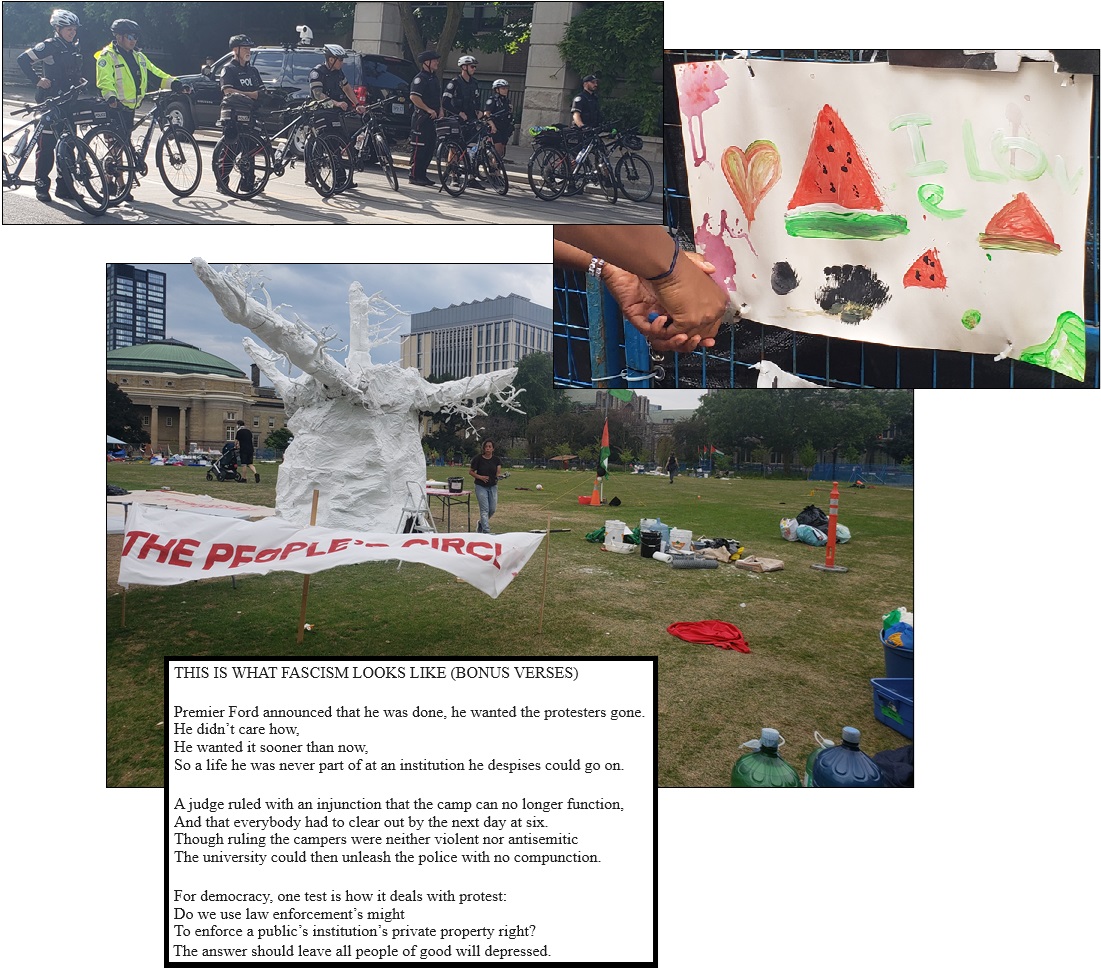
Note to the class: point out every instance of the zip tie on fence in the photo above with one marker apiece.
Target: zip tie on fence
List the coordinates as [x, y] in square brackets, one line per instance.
[658, 373]
[1005, 353]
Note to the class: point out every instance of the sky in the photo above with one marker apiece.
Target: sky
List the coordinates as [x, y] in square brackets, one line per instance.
[318, 294]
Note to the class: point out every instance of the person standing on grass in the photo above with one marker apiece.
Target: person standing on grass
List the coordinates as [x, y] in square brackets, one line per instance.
[486, 469]
[245, 456]
[671, 467]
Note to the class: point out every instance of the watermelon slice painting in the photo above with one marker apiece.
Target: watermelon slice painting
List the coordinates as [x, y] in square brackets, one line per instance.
[836, 197]
[1019, 225]
[926, 272]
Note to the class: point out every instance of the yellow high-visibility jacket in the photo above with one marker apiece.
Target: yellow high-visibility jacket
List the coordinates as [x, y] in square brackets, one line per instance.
[114, 80]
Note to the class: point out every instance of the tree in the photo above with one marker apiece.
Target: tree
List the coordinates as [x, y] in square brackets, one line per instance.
[278, 440]
[124, 417]
[496, 27]
[622, 42]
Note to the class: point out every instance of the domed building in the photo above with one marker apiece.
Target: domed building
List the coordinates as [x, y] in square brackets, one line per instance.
[193, 400]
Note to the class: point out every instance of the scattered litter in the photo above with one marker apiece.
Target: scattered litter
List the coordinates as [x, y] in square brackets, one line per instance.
[759, 564]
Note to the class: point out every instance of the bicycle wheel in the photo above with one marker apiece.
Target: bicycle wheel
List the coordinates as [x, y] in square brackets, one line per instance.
[116, 155]
[548, 172]
[580, 177]
[385, 159]
[242, 166]
[179, 161]
[491, 170]
[635, 177]
[321, 168]
[82, 174]
[606, 178]
[453, 166]
[343, 161]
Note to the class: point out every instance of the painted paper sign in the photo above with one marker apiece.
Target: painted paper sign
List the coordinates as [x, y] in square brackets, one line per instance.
[164, 548]
[895, 205]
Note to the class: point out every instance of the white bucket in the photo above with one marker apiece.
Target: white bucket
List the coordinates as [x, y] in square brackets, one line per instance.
[680, 540]
[613, 530]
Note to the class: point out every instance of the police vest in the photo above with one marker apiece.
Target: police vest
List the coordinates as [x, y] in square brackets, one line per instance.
[114, 78]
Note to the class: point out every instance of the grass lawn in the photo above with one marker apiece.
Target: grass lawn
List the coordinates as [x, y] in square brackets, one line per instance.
[813, 635]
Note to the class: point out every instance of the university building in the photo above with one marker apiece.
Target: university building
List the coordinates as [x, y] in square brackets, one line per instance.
[476, 338]
[135, 305]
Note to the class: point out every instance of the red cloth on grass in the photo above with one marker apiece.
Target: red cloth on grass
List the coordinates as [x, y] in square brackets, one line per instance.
[718, 632]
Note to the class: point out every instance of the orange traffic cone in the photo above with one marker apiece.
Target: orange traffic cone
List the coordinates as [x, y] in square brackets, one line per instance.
[595, 499]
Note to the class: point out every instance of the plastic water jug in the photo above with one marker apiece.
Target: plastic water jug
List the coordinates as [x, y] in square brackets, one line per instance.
[822, 745]
[845, 765]
[763, 767]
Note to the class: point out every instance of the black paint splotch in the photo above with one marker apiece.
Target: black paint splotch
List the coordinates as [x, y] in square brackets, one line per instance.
[852, 292]
[784, 279]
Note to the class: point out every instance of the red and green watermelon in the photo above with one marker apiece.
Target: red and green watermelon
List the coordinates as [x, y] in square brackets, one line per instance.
[926, 272]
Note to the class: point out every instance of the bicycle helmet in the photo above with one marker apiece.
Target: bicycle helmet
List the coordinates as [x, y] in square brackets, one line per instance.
[240, 40]
[125, 27]
[500, 83]
[335, 50]
[64, 18]
[467, 59]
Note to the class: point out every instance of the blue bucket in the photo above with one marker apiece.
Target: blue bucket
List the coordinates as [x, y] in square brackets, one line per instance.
[898, 660]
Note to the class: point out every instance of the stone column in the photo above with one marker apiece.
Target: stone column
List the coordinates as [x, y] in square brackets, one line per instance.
[154, 416]
[183, 431]
[377, 30]
[549, 87]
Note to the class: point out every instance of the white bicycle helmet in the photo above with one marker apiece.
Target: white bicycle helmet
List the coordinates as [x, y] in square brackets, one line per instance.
[500, 83]
[335, 50]
[467, 59]
[64, 18]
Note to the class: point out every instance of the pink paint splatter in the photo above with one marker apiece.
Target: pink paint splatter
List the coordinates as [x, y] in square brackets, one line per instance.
[711, 245]
[698, 83]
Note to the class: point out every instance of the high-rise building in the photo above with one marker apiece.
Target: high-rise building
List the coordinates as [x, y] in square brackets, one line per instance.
[135, 305]
[476, 338]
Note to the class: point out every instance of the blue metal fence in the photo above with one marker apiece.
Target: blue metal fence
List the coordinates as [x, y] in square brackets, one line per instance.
[824, 360]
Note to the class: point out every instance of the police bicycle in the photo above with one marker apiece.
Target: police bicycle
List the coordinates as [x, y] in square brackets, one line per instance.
[246, 157]
[633, 173]
[564, 162]
[369, 145]
[78, 168]
[178, 158]
[470, 154]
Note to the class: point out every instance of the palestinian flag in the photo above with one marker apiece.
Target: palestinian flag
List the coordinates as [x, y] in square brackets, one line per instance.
[623, 395]
[715, 451]
[605, 452]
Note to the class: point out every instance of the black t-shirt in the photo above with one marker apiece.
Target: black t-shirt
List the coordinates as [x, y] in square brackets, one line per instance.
[499, 109]
[486, 466]
[326, 83]
[244, 443]
[242, 77]
[462, 95]
[587, 104]
[426, 85]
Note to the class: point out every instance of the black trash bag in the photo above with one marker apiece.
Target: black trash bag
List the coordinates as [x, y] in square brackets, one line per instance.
[116, 490]
[896, 767]
[812, 515]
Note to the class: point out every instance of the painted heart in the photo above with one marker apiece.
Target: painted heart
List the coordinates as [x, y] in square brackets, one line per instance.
[751, 173]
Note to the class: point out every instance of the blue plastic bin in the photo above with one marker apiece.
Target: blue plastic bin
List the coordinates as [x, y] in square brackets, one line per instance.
[893, 703]
[899, 661]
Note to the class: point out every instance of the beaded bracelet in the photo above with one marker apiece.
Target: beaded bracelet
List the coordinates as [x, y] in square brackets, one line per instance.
[672, 265]
[596, 267]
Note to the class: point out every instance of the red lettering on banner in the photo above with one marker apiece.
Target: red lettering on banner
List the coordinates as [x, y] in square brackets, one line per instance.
[219, 552]
[480, 545]
[415, 542]
[267, 555]
[312, 551]
[339, 545]
[292, 547]
[151, 545]
[184, 548]
[130, 539]
[242, 555]
[452, 545]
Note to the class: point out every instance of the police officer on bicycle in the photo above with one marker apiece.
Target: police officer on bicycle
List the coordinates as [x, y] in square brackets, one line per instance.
[462, 99]
[498, 110]
[122, 73]
[328, 84]
[241, 87]
[585, 111]
[425, 94]
[60, 60]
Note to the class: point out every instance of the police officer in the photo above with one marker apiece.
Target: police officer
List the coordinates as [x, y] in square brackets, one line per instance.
[61, 61]
[498, 110]
[122, 72]
[241, 86]
[462, 100]
[585, 111]
[328, 84]
[425, 94]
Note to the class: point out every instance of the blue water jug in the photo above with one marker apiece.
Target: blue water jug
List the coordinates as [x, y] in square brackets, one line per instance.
[845, 765]
[763, 767]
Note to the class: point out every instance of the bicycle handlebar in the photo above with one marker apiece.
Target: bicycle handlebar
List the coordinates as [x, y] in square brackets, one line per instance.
[52, 102]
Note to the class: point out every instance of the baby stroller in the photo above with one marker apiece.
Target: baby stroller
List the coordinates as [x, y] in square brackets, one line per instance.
[224, 468]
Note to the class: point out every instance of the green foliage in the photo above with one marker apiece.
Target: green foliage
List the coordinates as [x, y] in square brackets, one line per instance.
[622, 43]
[124, 417]
[278, 440]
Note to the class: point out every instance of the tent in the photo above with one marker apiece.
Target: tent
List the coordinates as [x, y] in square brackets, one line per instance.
[114, 441]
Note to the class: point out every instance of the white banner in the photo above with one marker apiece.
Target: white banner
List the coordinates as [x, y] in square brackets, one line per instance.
[163, 547]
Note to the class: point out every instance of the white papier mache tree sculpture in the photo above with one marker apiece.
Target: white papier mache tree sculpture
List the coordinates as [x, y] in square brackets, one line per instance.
[356, 425]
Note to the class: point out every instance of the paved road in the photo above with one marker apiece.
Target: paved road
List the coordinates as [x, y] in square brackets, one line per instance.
[289, 200]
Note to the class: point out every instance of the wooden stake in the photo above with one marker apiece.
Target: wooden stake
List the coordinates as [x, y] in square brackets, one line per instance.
[306, 578]
[546, 556]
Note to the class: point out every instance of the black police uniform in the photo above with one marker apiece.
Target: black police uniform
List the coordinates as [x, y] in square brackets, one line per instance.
[461, 95]
[422, 132]
[62, 64]
[499, 109]
[587, 104]
[327, 84]
[241, 77]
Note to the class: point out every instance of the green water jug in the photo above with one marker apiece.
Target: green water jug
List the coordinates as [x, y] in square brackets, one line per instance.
[763, 767]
